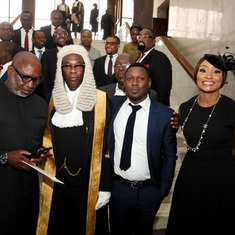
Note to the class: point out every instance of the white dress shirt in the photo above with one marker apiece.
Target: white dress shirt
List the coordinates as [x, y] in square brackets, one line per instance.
[139, 169]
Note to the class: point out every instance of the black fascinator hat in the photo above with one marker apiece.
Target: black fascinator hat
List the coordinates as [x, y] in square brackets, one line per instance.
[225, 62]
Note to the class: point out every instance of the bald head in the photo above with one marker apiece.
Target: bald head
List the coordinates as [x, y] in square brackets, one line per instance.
[24, 74]
[126, 57]
[121, 64]
[25, 57]
[6, 31]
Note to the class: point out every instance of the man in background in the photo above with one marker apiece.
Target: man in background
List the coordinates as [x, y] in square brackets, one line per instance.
[23, 35]
[64, 8]
[158, 64]
[39, 42]
[79, 9]
[7, 52]
[86, 41]
[103, 67]
[7, 33]
[107, 24]
[56, 22]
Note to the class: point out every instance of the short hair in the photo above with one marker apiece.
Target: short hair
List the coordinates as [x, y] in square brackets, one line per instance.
[151, 30]
[26, 12]
[57, 12]
[88, 30]
[9, 47]
[37, 31]
[116, 37]
[138, 65]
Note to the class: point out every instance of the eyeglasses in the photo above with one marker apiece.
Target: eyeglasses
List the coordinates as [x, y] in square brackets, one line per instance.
[6, 30]
[123, 66]
[58, 35]
[144, 37]
[111, 43]
[68, 67]
[27, 79]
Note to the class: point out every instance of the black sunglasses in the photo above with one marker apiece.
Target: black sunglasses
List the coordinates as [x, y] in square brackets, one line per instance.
[27, 79]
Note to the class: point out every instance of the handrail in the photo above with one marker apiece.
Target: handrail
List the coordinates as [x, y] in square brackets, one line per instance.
[15, 20]
[181, 59]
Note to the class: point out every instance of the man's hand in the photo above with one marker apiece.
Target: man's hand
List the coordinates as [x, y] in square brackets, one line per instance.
[175, 121]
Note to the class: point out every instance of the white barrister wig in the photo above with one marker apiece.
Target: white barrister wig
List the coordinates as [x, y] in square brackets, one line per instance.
[87, 96]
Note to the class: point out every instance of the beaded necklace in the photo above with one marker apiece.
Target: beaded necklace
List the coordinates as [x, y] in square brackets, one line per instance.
[194, 149]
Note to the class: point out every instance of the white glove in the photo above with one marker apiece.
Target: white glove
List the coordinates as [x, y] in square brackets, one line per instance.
[103, 199]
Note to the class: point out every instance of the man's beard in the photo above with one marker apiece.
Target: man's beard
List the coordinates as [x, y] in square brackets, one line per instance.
[141, 47]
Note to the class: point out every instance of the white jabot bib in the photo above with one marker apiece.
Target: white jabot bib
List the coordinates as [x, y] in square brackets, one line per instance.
[74, 118]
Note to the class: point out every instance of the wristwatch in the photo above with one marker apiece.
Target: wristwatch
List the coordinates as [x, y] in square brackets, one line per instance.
[3, 158]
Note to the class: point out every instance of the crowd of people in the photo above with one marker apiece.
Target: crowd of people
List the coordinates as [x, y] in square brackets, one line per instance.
[112, 131]
[74, 19]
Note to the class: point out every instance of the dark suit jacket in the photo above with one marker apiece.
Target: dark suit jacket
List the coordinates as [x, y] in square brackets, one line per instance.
[49, 39]
[3, 77]
[17, 39]
[101, 78]
[48, 62]
[160, 71]
[161, 144]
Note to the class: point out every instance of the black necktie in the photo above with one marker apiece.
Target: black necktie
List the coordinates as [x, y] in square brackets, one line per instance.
[125, 162]
[110, 66]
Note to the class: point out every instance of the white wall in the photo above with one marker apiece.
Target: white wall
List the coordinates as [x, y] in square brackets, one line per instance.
[196, 28]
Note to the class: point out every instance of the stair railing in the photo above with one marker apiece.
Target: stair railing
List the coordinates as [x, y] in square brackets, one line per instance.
[179, 57]
[15, 20]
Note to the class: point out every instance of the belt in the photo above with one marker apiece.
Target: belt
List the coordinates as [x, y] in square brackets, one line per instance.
[135, 184]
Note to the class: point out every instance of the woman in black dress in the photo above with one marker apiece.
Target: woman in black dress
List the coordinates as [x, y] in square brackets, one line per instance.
[204, 194]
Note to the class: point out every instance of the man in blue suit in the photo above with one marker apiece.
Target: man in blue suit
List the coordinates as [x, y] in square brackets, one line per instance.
[140, 186]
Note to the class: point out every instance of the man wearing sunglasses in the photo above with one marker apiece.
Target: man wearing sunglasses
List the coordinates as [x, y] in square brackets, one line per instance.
[22, 123]
[158, 65]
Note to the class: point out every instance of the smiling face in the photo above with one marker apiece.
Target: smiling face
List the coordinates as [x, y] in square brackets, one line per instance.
[146, 40]
[137, 84]
[73, 70]
[60, 37]
[39, 39]
[209, 78]
[111, 45]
